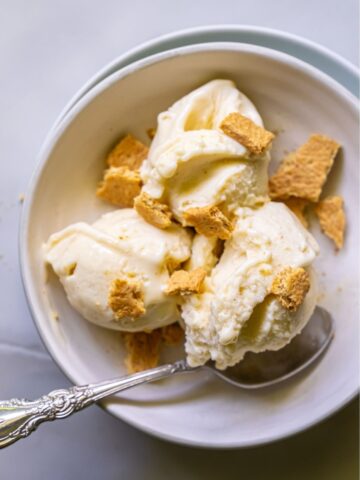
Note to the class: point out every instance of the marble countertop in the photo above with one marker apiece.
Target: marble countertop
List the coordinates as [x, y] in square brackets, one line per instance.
[47, 51]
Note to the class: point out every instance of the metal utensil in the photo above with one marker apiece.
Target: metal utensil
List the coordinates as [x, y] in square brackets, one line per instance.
[20, 417]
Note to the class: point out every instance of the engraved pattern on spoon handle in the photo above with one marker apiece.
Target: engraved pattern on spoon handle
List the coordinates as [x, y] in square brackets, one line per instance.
[20, 417]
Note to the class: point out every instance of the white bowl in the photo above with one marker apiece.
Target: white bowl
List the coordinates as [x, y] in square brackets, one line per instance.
[196, 409]
[324, 59]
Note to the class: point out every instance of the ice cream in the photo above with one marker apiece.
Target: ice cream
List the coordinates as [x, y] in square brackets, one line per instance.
[119, 247]
[236, 314]
[193, 163]
[240, 279]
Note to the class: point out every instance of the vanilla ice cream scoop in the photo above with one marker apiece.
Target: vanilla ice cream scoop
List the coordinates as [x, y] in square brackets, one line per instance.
[236, 314]
[120, 246]
[192, 163]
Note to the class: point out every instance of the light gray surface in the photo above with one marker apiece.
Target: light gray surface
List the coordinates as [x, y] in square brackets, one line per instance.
[47, 51]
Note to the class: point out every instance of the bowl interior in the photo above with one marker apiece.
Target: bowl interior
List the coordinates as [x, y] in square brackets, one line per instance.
[293, 99]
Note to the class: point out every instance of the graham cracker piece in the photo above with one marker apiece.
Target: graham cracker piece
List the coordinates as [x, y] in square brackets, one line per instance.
[151, 132]
[126, 298]
[290, 286]
[256, 139]
[218, 250]
[156, 213]
[303, 173]
[330, 212]
[172, 334]
[183, 282]
[172, 264]
[298, 207]
[120, 186]
[143, 350]
[210, 221]
[129, 152]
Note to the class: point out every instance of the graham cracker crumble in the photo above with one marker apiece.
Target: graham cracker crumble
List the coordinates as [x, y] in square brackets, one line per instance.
[303, 173]
[154, 212]
[129, 152]
[143, 350]
[210, 221]
[183, 282]
[298, 207]
[126, 298]
[330, 212]
[256, 139]
[172, 264]
[151, 132]
[290, 286]
[172, 334]
[120, 186]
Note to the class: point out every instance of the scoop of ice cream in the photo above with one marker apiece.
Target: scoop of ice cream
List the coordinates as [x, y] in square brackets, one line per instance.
[236, 314]
[192, 163]
[205, 252]
[119, 248]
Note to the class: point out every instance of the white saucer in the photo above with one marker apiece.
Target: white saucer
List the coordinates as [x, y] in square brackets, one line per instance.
[320, 57]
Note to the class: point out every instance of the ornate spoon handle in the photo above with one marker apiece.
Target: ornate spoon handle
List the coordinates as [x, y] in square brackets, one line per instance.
[20, 417]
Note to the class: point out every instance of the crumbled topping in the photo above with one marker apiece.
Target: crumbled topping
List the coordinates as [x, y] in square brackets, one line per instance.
[256, 139]
[120, 186]
[219, 248]
[330, 212]
[143, 350]
[172, 264]
[183, 282]
[129, 152]
[172, 334]
[290, 287]
[126, 298]
[151, 132]
[210, 221]
[303, 173]
[154, 212]
[298, 207]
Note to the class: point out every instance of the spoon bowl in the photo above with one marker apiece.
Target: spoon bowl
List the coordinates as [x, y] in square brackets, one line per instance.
[18, 418]
[264, 369]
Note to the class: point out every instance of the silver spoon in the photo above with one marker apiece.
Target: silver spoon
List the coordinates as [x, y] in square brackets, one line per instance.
[20, 417]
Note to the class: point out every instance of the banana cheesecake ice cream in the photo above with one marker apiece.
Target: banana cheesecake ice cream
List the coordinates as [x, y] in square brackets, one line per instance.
[201, 241]
[260, 294]
[193, 163]
[114, 271]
